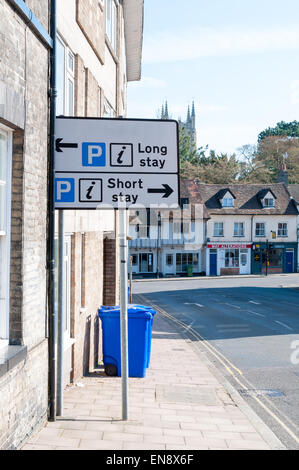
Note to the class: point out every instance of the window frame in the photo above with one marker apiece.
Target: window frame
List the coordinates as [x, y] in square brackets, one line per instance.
[219, 233]
[284, 229]
[258, 235]
[241, 229]
[69, 78]
[111, 25]
[108, 109]
[268, 205]
[5, 240]
[224, 204]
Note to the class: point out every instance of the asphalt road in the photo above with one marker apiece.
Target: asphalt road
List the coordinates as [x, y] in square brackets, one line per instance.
[249, 329]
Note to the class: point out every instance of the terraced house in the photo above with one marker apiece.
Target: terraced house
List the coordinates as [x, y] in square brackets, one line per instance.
[98, 52]
[252, 229]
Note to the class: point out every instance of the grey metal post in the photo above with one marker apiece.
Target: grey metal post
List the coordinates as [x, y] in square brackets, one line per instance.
[122, 214]
[61, 297]
[131, 281]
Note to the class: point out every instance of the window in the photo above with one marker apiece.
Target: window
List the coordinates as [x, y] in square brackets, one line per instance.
[65, 80]
[99, 102]
[274, 257]
[218, 229]
[5, 198]
[186, 227]
[232, 258]
[282, 230]
[185, 259]
[184, 202]
[111, 22]
[169, 260]
[134, 260]
[108, 110]
[227, 202]
[238, 229]
[243, 257]
[260, 229]
[268, 202]
[177, 227]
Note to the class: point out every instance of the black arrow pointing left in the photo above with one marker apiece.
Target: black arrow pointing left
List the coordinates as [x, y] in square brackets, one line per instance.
[60, 146]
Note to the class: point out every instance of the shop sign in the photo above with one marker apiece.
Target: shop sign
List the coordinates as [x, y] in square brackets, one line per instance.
[229, 245]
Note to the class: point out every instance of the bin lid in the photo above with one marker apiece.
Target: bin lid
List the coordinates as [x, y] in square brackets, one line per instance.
[132, 312]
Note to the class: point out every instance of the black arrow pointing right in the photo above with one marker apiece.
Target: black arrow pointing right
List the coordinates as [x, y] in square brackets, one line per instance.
[167, 190]
[60, 145]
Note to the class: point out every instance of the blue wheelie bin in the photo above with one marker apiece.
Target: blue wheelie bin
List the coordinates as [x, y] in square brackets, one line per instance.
[153, 312]
[139, 324]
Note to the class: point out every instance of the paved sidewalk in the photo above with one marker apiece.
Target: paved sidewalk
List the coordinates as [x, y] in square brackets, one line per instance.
[178, 405]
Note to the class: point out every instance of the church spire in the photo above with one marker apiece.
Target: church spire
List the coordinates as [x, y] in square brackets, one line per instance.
[166, 110]
[188, 115]
[193, 109]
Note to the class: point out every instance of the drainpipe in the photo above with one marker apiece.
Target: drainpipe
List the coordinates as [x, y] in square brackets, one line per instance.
[51, 225]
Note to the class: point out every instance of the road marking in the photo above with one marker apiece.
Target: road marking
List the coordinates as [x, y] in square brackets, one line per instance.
[255, 303]
[233, 325]
[198, 305]
[255, 313]
[217, 353]
[283, 324]
[231, 305]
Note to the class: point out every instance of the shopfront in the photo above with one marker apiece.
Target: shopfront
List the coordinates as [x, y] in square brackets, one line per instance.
[228, 259]
[271, 258]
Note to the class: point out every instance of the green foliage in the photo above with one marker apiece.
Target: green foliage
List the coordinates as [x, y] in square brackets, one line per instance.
[289, 129]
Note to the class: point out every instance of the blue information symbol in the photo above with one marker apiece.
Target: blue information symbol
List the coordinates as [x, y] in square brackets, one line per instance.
[93, 154]
[64, 190]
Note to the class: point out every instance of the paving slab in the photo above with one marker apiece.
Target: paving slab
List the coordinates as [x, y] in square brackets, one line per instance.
[173, 408]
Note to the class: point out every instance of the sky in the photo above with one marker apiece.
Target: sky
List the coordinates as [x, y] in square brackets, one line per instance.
[237, 59]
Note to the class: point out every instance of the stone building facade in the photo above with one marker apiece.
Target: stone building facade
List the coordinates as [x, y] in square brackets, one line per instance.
[24, 69]
[97, 54]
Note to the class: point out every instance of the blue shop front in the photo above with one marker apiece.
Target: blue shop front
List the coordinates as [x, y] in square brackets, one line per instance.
[271, 258]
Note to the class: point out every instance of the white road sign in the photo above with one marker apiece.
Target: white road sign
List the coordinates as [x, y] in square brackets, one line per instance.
[100, 162]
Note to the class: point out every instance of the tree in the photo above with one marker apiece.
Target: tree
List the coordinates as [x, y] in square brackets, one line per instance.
[187, 148]
[274, 151]
[216, 169]
[290, 129]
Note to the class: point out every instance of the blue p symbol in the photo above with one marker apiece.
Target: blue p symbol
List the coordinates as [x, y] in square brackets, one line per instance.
[64, 190]
[93, 154]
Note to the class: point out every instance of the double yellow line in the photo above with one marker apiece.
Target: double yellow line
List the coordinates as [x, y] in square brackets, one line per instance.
[231, 369]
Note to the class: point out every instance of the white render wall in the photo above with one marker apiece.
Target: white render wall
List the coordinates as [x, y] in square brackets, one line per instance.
[77, 42]
[271, 223]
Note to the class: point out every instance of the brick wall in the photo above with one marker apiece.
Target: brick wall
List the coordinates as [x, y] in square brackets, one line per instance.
[24, 398]
[24, 100]
[80, 86]
[91, 19]
[87, 295]
[92, 88]
[111, 271]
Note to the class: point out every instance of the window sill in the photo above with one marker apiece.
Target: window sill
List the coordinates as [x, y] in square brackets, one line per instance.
[10, 356]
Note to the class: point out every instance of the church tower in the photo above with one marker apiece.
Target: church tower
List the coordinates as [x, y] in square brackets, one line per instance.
[188, 125]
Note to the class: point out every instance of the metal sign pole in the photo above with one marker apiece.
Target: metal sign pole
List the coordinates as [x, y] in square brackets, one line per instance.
[131, 281]
[122, 214]
[61, 297]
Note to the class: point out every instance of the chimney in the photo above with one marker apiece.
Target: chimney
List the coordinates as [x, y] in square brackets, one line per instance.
[283, 175]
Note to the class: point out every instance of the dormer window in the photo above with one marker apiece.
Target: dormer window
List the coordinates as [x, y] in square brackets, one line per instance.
[267, 198]
[227, 202]
[268, 202]
[226, 198]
